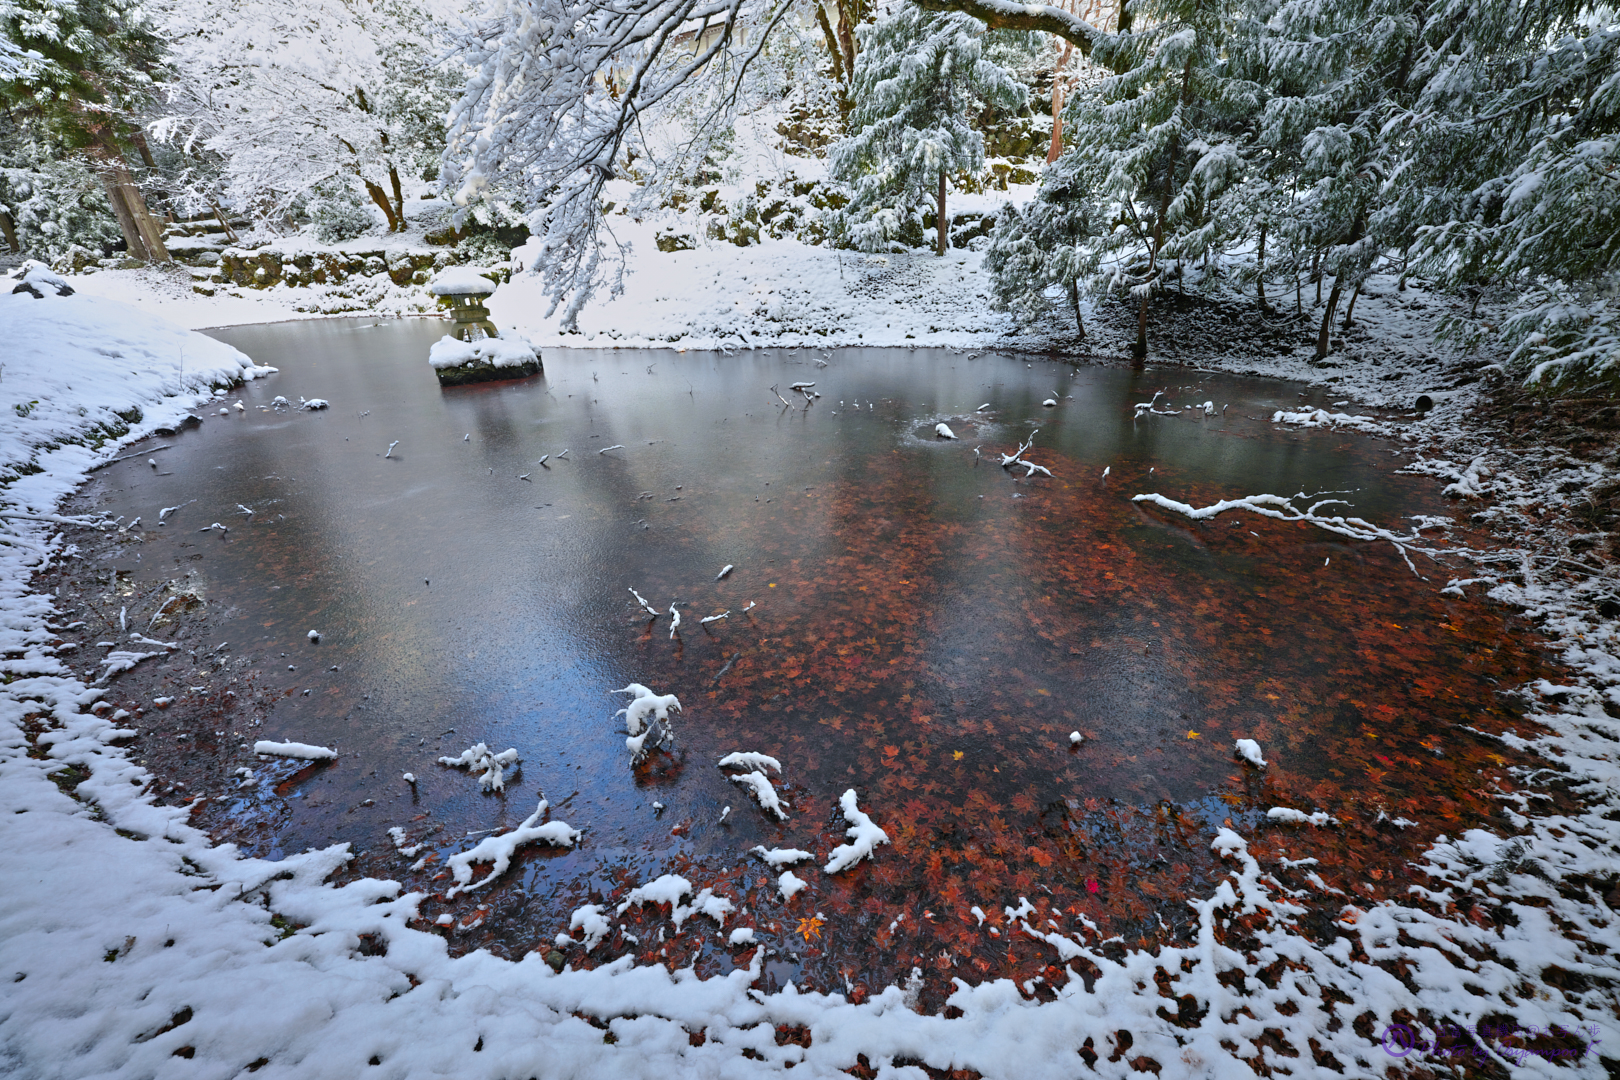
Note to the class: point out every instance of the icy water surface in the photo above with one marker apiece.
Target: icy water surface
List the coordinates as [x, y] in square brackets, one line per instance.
[929, 629]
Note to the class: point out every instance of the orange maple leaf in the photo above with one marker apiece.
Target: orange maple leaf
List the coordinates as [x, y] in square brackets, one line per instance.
[810, 928]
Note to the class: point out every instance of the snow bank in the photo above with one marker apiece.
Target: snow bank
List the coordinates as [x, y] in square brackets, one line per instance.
[776, 293]
[80, 369]
[863, 833]
[500, 849]
[295, 750]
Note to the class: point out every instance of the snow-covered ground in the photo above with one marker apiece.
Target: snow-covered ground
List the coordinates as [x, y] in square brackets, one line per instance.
[132, 947]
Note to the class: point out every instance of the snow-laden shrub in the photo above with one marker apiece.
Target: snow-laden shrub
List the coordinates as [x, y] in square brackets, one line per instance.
[58, 206]
[337, 215]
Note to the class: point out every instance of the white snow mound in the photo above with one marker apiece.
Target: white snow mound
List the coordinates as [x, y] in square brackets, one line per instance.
[295, 750]
[508, 350]
[1249, 751]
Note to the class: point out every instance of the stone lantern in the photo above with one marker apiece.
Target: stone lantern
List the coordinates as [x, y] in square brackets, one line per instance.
[474, 350]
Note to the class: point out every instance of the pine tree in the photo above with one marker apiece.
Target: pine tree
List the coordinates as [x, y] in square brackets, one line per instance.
[1161, 142]
[1513, 149]
[919, 80]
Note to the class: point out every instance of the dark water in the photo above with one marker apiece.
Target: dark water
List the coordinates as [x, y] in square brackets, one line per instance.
[928, 628]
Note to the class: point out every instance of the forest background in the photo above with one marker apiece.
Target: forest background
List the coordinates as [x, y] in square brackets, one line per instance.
[1272, 153]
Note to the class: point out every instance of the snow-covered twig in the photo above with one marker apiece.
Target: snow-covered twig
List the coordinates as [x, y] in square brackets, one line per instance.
[769, 801]
[479, 758]
[749, 760]
[303, 751]
[1283, 509]
[864, 835]
[499, 850]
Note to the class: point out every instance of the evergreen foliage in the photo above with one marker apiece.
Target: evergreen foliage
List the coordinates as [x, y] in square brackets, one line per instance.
[919, 81]
[83, 67]
[53, 204]
[1047, 246]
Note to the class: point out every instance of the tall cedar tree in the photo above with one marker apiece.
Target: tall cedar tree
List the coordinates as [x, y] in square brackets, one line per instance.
[920, 80]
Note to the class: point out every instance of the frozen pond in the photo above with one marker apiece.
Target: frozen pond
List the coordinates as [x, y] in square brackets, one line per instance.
[929, 629]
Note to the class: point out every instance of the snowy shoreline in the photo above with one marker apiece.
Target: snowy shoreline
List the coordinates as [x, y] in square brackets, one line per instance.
[115, 941]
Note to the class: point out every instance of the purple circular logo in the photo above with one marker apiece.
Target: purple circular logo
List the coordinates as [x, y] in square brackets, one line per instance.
[1399, 1040]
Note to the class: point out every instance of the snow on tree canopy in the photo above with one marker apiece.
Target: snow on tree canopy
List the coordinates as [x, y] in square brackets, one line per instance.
[919, 80]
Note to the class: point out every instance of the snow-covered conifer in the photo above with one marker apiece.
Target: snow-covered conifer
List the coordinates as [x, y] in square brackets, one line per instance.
[919, 80]
[1161, 141]
[1047, 245]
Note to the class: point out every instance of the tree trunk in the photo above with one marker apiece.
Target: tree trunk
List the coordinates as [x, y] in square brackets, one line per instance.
[848, 17]
[1074, 302]
[151, 232]
[9, 228]
[1260, 276]
[142, 148]
[1139, 350]
[380, 197]
[128, 204]
[399, 196]
[134, 246]
[1316, 275]
[1056, 148]
[942, 223]
[1351, 307]
[1327, 320]
[230, 233]
[833, 48]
